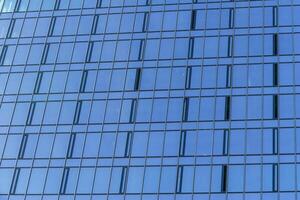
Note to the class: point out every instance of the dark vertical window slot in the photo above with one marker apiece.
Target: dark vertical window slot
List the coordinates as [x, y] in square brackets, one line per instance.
[133, 110]
[23, 146]
[51, 27]
[275, 74]
[38, 81]
[64, 181]
[137, 81]
[225, 141]
[57, 4]
[230, 46]
[146, 22]
[275, 177]
[83, 80]
[224, 178]
[275, 16]
[182, 143]
[3, 54]
[71, 145]
[188, 78]
[231, 18]
[228, 76]
[142, 48]
[275, 106]
[128, 146]
[11, 28]
[179, 179]
[185, 109]
[15, 181]
[99, 3]
[227, 108]
[30, 113]
[193, 19]
[275, 44]
[89, 52]
[77, 112]
[95, 23]
[191, 48]
[123, 180]
[17, 7]
[275, 141]
[45, 54]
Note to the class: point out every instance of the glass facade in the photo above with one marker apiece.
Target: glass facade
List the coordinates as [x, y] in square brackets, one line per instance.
[149, 100]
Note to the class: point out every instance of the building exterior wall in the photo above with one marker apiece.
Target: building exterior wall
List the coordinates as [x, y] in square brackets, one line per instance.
[149, 99]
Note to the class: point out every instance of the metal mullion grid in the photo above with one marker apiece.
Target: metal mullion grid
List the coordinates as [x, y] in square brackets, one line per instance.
[31, 99]
[294, 99]
[262, 101]
[107, 99]
[229, 47]
[168, 97]
[1, 101]
[41, 125]
[153, 93]
[8, 73]
[63, 95]
[200, 94]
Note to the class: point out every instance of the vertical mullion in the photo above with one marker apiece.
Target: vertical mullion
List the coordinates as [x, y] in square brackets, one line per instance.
[230, 46]
[11, 28]
[128, 147]
[30, 113]
[188, 77]
[71, 145]
[23, 146]
[275, 106]
[38, 82]
[275, 16]
[133, 111]
[146, 22]
[15, 181]
[64, 182]
[227, 108]
[225, 141]
[275, 74]
[229, 76]
[193, 19]
[77, 112]
[231, 18]
[185, 109]
[45, 53]
[3, 54]
[83, 80]
[123, 180]
[191, 47]
[224, 178]
[179, 179]
[137, 80]
[275, 177]
[275, 44]
[182, 143]
[275, 140]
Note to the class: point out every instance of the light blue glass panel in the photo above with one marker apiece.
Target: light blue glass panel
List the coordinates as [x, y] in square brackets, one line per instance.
[6, 179]
[102, 178]
[85, 180]
[53, 181]
[151, 180]
[168, 180]
[135, 180]
[37, 181]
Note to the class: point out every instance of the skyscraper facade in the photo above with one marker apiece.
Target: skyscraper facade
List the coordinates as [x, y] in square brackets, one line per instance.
[149, 99]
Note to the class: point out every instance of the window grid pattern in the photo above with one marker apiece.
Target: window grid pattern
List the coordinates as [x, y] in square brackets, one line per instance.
[160, 99]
